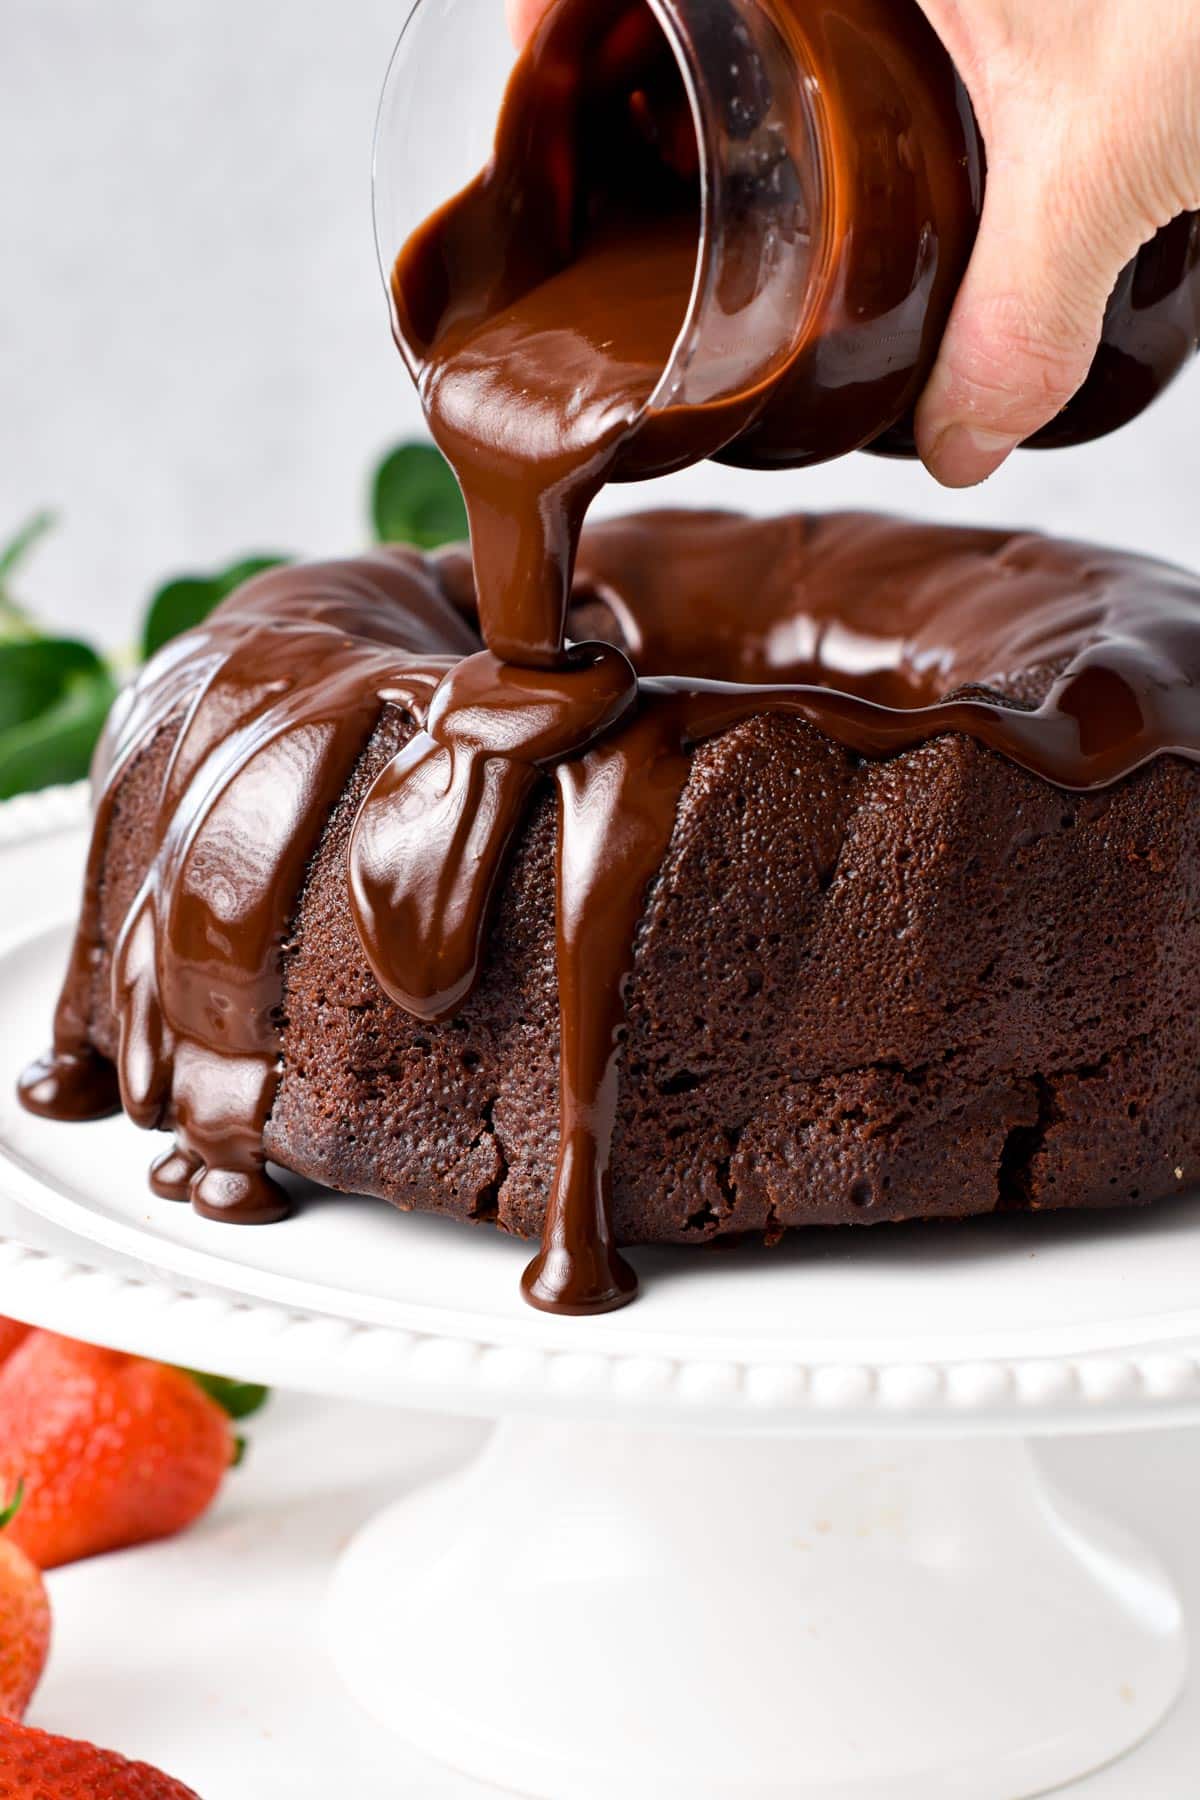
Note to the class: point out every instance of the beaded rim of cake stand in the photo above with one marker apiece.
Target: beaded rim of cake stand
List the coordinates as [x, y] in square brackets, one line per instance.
[1151, 1385]
[28, 817]
[313, 1351]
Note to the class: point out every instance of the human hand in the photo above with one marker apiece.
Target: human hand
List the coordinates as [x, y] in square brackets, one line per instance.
[523, 15]
[1090, 113]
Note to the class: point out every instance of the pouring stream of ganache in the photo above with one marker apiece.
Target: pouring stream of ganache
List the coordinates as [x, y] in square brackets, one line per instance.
[534, 376]
[879, 634]
[537, 366]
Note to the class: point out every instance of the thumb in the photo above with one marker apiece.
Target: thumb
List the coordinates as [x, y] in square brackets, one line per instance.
[523, 16]
[1024, 328]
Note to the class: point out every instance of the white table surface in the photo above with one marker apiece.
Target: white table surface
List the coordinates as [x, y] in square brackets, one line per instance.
[205, 1654]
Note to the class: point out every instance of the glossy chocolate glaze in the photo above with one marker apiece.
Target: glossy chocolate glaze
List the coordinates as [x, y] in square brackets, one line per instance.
[878, 633]
[551, 295]
[273, 704]
[538, 312]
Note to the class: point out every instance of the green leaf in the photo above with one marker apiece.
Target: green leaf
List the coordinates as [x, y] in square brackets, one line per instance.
[57, 744]
[240, 1399]
[54, 692]
[186, 602]
[19, 546]
[36, 672]
[416, 500]
[178, 606]
[13, 621]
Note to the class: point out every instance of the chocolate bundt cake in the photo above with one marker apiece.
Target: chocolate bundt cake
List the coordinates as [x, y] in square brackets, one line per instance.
[878, 898]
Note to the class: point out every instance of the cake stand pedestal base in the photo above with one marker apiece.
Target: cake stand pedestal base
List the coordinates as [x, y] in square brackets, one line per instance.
[587, 1612]
[835, 1579]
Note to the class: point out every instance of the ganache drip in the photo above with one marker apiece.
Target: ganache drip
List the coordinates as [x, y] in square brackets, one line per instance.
[541, 312]
[272, 704]
[879, 634]
[548, 315]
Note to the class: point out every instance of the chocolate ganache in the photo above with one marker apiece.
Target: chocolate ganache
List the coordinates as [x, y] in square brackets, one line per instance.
[879, 634]
[539, 353]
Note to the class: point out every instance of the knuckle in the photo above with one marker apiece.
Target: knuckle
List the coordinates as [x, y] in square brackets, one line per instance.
[1017, 355]
[1137, 138]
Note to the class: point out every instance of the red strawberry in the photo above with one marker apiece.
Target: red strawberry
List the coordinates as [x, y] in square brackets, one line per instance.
[24, 1623]
[35, 1766]
[12, 1333]
[113, 1450]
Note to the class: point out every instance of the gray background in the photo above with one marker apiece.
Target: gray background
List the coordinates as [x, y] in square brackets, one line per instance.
[194, 360]
[194, 350]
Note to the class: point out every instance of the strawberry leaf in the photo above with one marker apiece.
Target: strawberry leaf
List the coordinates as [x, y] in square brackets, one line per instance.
[240, 1399]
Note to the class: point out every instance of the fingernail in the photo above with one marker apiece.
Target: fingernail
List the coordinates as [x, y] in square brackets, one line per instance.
[963, 455]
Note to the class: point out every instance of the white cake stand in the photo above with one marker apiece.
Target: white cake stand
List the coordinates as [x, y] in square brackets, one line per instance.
[774, 1530]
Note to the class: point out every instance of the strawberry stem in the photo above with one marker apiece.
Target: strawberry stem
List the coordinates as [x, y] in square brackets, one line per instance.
[13, 1506]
